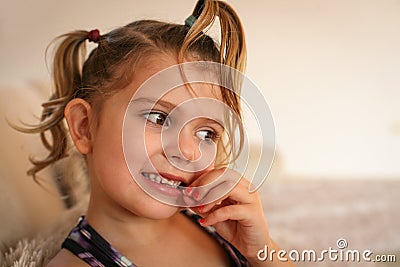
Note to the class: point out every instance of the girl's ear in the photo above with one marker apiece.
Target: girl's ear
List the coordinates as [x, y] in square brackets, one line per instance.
[78, 113]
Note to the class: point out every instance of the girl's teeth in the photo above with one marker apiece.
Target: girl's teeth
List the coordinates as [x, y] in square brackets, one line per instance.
[161, 180]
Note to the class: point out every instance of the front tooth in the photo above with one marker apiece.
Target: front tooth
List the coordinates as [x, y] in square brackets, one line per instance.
[164, 181]
[152, 176]
[159, 179]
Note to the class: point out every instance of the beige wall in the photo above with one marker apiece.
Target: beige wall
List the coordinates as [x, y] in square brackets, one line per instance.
[329, 69]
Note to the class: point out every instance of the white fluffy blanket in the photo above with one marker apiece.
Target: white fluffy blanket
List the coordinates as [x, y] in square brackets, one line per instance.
[41, 249]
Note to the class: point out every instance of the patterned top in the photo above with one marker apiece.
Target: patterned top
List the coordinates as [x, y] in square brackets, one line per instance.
[84, 242]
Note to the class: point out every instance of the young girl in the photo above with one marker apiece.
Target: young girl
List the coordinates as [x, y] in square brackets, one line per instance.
[125, 226]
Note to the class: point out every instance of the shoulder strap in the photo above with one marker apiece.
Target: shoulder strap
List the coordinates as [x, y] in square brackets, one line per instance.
[88, 245]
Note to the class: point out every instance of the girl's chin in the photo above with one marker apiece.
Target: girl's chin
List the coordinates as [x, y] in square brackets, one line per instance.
[158, 211]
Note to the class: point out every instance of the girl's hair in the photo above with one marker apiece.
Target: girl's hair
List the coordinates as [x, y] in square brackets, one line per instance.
[111, 65]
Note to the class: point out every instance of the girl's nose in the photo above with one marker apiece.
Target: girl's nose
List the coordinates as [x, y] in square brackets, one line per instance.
[186, 151]
[181, 148]
[188, 145]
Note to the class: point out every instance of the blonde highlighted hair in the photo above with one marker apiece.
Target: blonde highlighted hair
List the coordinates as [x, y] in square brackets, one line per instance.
[111, 65]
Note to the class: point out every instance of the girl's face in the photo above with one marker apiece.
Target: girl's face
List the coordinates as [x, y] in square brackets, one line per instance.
[159, 160]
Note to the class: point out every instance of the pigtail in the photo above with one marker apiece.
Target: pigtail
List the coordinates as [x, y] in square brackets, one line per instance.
[67, 79]
[233, 46]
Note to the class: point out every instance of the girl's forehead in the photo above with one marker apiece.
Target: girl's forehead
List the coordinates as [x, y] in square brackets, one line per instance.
[191, 91]
[164, 80]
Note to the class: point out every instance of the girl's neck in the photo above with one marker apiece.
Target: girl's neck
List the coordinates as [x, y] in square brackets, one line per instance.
[122, 228]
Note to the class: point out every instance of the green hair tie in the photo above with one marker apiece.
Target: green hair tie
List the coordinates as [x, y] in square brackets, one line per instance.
[190, 21]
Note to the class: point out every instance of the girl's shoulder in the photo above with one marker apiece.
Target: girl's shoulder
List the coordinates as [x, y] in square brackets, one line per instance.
[64, 258]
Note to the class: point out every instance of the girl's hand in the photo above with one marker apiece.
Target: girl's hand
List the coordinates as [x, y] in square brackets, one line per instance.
[238, 216]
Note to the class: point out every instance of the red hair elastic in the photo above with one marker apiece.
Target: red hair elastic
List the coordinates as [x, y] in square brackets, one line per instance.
[94, 36]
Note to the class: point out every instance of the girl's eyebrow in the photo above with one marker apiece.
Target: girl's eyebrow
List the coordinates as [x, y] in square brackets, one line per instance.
[215, 122]
[163, 103]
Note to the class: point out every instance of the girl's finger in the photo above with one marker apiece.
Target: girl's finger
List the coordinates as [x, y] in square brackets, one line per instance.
[230, 212]
[213, 186]
[204, 209]
[239, 194]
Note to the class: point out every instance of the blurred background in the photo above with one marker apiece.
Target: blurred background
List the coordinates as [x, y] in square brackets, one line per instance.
[330, 71]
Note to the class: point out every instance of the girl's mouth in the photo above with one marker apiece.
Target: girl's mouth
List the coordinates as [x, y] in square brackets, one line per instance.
[157, 178]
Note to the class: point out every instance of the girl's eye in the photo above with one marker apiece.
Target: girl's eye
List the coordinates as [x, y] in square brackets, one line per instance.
[207, 135]
[158, 118]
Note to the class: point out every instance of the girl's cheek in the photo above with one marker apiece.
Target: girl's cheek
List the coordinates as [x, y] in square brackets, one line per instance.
[210, 168]
[152, 140]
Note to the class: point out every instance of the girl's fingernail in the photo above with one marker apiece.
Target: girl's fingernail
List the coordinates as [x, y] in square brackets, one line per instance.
[196, 195]
[188, 190]
[202, 220]
[200, 208]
